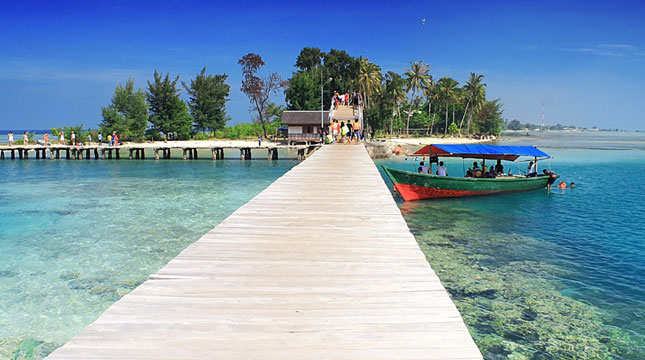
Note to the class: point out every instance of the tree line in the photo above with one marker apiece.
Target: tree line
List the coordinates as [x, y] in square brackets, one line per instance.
[159, 110]
[395, 102]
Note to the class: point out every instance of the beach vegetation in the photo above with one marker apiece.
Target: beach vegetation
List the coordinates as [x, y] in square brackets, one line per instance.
[168, 112]
[127, 115]
[416, 78]
[208, 95]
[259, 90]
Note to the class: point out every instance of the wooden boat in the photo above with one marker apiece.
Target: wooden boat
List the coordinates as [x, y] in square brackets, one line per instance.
[414, 186]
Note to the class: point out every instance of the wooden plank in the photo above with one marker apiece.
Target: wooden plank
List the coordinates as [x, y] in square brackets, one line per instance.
[320, 265]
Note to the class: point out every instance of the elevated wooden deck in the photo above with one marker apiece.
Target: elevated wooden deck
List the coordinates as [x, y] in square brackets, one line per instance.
[320, 265]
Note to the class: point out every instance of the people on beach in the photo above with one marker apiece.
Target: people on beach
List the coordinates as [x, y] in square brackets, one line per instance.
[73, 138]
[25, 138]
[100, 139]
[61, 137]
[10, 136]
[441, 170]
[46, 139]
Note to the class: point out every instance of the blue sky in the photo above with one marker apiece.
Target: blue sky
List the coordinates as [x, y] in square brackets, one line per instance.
[61, 60]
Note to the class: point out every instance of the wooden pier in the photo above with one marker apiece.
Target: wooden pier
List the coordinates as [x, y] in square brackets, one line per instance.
[320, 265]
[138, 151]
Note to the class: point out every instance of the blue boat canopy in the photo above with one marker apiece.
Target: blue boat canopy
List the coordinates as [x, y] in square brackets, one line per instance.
[501, 152]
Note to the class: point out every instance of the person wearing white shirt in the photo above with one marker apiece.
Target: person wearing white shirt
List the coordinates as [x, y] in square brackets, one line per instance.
[422, 168]
[441, 170]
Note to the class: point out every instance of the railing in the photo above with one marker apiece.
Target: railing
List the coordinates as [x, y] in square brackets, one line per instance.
[304, 136]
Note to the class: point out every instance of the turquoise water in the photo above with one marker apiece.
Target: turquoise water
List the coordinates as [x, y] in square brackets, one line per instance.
[547, 275]
[75, 236]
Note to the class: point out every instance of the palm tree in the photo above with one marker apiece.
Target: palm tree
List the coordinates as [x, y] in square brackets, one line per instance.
[369, 79]
[394, 95]
[428, 91]
[416, 78]
[448, 90]
[476, 91]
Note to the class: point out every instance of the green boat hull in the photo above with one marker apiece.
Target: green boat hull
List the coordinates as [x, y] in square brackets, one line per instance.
[413, 186]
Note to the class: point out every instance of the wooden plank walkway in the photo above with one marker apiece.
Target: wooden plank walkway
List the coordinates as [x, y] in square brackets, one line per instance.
[320, 265]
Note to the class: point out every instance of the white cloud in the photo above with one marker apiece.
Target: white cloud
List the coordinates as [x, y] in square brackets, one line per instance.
[611, 50]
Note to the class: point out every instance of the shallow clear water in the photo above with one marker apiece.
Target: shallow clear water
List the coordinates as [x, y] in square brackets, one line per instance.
[546, 275]
[75, 236]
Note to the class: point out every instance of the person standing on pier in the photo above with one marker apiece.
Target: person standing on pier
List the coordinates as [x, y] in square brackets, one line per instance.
[46, 139]
[100, 137]
[61, 137]
[73, 138]
[116, 139]
[25, 138]
[10, 138]
[259, 140]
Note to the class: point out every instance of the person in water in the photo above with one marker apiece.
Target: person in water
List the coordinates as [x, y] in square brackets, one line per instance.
[562, 185]
[572, 185]
[551, 180]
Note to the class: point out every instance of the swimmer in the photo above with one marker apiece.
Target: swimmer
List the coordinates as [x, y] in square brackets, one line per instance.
[573, 185]
[562, 185]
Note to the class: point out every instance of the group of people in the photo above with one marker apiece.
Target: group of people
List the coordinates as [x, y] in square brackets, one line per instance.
[344, 99]
[485, 171]
[344, 132]
[113, 139]
[427, 170]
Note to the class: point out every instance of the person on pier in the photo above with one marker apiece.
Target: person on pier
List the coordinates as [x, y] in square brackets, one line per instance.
[46, 139]
[25, 138]
[73, 138]
[100, 139]
[61, 137]
[10, 138]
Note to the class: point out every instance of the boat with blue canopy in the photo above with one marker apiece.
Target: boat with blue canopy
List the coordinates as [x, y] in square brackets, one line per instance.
[476, 181]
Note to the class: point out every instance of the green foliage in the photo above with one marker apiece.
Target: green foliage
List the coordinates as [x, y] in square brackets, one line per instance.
[127, 114]
[168, 113]
[55, 131]
[453, 128]
[490, 118]
[303, 92]
[208, 96]
[201, 136]
[309, 59]
[248, 130]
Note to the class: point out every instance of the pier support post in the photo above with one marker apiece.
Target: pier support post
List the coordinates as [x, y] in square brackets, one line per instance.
[184, 156]
[110, 154]
[167, 153]
[301, 154]
[130, 154]
[68, 154]
[213, 156]
[37, 154]
[143, 154]
[118, 155]
[242, 154]
[195, 156]
[156, 153]
[96, 153]
[13, 154]
[2, 154]
[26, 154]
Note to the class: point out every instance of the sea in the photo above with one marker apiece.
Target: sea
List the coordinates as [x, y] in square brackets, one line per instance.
[535, 275]
[547, 275]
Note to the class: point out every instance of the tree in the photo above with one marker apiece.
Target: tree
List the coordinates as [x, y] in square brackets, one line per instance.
[208, 96]
[416, 78]
[515, 125]
[303, 91]
[368, 80]
[448, 90]
[168, 113]
[476, 97]
[309, 59]
[393, 96]
[342, 69]
[489, 118]
[127, 114]
[258, 90]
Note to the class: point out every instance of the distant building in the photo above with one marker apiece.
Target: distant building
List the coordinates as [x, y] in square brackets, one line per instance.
[304, 125]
